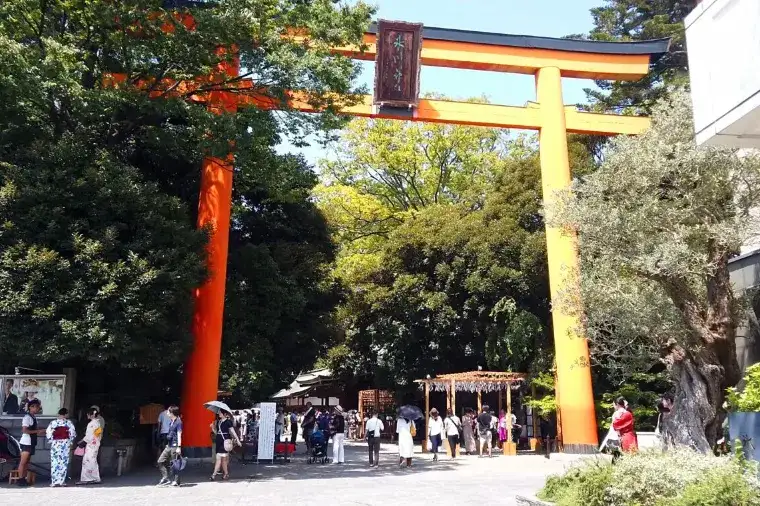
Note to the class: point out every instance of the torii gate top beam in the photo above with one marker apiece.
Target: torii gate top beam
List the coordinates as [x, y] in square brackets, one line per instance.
[524, 54]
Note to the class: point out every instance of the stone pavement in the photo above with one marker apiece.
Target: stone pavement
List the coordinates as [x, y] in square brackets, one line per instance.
[495, 481]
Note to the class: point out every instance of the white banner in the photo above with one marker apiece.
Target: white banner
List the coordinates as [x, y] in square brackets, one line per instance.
[266, 430]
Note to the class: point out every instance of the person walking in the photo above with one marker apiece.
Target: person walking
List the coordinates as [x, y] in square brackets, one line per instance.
[28, 442]
[374, 429]
[338, 431]
[308, 423]
[485, 421]
[435, 430]
[224, 438]
[406, 431]
[60, 434]
[173, 448]
[293, 427]
[453, 428]
[164, 421]
[92, 438]
[548, 433]
[469, 427]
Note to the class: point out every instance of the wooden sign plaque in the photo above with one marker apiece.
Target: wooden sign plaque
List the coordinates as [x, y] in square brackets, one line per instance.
[397, 64]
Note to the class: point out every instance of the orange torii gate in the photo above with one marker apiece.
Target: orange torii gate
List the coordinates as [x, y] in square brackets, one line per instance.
[399, 49]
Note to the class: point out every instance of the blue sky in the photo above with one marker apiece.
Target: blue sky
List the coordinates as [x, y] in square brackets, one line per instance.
[550, 18]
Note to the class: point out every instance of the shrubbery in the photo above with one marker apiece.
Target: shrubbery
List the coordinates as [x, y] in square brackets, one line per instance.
[748, 400]
[680, 477]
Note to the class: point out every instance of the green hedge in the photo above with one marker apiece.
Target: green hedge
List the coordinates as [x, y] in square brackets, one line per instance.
[680, 477]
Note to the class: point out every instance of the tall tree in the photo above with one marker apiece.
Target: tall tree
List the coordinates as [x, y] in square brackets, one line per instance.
[441, 248]
[657, 224]
[632, 20]
[100, 183]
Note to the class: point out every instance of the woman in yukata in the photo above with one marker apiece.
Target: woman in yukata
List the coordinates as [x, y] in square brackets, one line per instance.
[61, 434]
[623, 423]
[90, 469]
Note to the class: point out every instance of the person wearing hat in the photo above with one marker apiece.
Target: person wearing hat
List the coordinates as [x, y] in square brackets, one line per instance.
[338, 429]
[30, 389]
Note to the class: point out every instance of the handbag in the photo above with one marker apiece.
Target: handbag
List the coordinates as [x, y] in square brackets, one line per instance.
[413, 429]
[227, 441]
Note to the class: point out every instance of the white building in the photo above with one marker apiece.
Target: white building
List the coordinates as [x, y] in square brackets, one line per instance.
[723, 39]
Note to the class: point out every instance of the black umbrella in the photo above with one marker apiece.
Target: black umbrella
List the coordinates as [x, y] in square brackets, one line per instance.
[410, 412]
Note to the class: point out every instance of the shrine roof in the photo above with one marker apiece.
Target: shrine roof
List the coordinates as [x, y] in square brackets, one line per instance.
[473, 381]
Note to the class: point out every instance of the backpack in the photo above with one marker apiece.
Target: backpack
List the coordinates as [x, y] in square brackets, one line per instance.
[481, 426]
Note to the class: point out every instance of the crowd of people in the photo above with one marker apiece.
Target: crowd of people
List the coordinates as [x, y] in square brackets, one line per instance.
[476, 434]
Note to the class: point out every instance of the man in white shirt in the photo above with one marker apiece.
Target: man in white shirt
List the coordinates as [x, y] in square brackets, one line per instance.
[435, 429]
[374, 429]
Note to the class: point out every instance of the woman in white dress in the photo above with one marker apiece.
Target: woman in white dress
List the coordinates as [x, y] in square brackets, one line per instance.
[92, 438]
[405, 441]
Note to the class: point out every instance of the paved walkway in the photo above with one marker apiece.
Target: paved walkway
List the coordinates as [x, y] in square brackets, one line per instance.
[468, 479]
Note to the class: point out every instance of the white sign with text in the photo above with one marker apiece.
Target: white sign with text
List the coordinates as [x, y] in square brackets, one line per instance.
[266, 430]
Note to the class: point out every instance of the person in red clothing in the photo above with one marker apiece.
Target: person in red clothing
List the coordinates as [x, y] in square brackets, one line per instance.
[622, 422]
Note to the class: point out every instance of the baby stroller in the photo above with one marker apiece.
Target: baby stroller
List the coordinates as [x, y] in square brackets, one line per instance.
[318, 442]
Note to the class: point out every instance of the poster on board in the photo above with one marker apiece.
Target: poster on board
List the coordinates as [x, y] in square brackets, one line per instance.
[17, 391]
[266, 430]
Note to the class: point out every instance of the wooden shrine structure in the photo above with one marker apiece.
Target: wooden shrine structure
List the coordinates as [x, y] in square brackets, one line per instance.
[476, 382]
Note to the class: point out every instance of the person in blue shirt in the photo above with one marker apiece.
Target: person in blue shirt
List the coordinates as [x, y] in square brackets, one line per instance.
[323, 422]
[164, 421]
[173, 448]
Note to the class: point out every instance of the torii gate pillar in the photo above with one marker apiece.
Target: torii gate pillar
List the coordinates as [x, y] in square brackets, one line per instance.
[571, 349]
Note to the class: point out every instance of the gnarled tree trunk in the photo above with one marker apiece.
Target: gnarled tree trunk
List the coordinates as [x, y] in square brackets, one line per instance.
[703, 369]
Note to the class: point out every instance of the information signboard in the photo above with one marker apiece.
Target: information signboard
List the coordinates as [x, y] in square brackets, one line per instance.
[266, 430]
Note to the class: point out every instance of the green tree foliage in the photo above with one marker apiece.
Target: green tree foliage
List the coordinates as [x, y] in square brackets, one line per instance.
[642, 391]
[279, 293]
[545, 400]
[657, 224]
[634, 20]
[749, 398]
[442, 245]
[100, 184]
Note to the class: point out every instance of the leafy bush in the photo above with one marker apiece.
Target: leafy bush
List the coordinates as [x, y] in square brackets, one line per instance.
[580, 485]
[681, 477]
[721, 487]
[749, 399]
